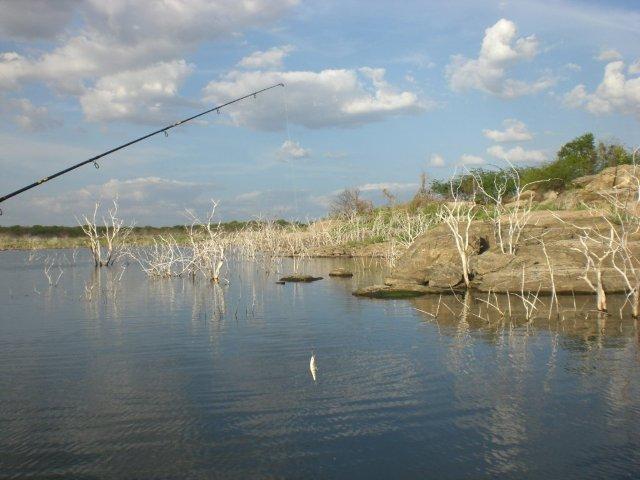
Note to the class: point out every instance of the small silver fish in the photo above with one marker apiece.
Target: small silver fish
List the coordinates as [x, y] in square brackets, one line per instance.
[312, 366]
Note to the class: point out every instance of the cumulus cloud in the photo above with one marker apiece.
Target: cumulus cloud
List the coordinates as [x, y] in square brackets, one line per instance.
[467, 159]
[292, 150]
[516, 154]
[514, 131]
[268, 59]
[327, 98]
[122, 36]
[609, 55]
[616, 92]
[437, 161]
[488, 73]
[143, 95]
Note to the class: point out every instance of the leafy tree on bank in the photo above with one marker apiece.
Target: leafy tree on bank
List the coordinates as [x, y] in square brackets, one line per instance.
[577, 158]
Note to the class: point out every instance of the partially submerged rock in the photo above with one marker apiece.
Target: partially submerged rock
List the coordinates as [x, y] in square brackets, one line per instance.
[340, 272]
[300, 278]
[385, 291]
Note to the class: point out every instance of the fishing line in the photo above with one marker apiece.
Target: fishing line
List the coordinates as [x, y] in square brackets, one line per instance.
[94, 160]
[292, 175]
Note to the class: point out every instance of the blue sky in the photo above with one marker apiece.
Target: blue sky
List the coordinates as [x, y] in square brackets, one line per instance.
[377, 92]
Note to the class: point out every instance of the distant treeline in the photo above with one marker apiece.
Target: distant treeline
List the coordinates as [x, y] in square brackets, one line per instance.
[50, 231]
[577, 158]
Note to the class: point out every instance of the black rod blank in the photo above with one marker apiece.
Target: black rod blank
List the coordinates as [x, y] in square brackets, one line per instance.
[124, 145]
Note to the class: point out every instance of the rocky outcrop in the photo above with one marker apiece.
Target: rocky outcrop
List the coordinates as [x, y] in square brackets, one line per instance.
[620, 182]
[432, 263]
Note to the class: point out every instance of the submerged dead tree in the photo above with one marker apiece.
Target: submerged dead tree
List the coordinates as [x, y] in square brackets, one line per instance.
[106, 242]
[596, 251]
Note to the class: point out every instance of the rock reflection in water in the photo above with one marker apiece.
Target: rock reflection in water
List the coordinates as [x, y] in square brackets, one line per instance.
[518, 379]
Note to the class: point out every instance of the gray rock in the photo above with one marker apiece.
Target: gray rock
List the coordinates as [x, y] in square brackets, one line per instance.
[340, 272]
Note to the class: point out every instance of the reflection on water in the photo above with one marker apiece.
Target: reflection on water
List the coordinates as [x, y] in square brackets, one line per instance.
[109, 374]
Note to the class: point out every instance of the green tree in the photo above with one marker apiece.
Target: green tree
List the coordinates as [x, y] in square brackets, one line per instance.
[611, 155]
[578, 155]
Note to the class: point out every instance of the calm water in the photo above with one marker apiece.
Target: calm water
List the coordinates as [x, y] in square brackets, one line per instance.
[173, 379]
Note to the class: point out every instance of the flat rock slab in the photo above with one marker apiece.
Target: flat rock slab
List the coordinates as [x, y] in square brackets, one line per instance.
[300, 278]
[340, 272]
[385, 291]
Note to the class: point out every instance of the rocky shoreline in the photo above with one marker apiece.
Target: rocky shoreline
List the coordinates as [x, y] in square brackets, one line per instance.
[550, 256]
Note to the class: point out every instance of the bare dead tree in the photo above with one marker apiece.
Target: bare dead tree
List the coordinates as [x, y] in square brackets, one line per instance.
[107, 243]
[458, 216]
[349, 203]
[596, 249]
[208, 245]
[508, 219]
[391, 198]
[49, 263]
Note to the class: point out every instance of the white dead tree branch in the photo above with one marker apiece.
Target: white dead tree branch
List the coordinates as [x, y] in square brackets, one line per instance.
[458, 216]
[596, 249]
[509, 219]
[107, 243]
[208, 245]
[49, 263]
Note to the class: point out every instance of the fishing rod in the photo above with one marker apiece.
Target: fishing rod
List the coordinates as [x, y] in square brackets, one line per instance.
[124, 145]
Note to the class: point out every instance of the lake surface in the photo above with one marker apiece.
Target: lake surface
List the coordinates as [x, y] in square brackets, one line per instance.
[110, 374]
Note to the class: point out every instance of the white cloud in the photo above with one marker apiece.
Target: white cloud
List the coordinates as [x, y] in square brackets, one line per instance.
[436, 160]
[514, 131]
[28, 116]
[467, 159]
[141, 188]
[634, 68]
[616, 93]
[416, 59]
[516, 154]
[291, 149]
[243, 197]
[143, 96]
[574, 67]
[391, 186]
[35, 19]
[139, 199]
[488, 73]
[609, 55]
[329, 98]
[268, 59]
[335, 155]
[120, 36]
[272, 203]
